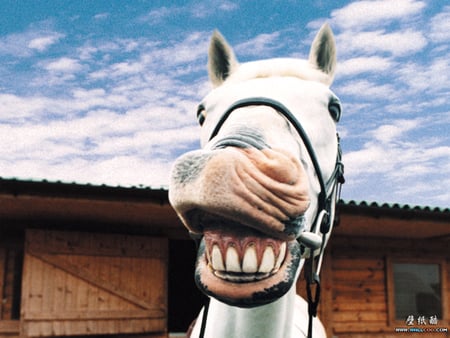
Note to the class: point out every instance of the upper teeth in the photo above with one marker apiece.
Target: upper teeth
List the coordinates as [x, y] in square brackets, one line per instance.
[232, 261]
[268, 260]
[250, 261]
[249, 264]
[216, 259]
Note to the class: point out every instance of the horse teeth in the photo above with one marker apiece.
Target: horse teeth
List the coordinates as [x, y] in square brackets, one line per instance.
[249, 264]
[268, 260]
[250, 261]
[281, 256]
[216, 259]
[232, 260]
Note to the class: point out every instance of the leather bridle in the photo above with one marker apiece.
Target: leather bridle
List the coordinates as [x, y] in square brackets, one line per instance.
[315, 239]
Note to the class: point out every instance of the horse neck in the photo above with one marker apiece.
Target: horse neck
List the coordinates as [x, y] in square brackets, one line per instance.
[272, 320]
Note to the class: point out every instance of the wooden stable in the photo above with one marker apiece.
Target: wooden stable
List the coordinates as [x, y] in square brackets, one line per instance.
[97, 261]
[81, 260]
[358, 294]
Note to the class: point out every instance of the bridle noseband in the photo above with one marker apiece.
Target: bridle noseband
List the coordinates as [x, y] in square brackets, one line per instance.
[330, 190]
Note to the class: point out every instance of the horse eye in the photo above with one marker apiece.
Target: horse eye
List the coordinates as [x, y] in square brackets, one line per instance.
[334, 107]
[201, 114]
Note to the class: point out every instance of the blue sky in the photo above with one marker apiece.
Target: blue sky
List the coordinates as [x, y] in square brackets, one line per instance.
[104, 92]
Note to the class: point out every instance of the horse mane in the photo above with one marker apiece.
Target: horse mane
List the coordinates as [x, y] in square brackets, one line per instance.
[278, 67]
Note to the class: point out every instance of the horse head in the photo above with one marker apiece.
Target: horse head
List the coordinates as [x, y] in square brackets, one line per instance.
[264, 180]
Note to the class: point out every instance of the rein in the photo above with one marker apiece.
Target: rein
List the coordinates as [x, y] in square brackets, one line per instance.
[329, 192]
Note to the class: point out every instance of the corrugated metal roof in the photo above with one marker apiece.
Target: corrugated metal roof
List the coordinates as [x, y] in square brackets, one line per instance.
[405, 207]
[81, 184]
[77, 190]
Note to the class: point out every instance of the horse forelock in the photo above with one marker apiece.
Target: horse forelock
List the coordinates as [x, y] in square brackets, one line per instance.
[283, 67]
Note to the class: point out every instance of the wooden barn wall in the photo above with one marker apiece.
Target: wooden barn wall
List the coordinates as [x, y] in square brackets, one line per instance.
[355, 284]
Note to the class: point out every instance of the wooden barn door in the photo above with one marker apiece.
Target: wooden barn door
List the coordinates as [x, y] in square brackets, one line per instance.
[86, 284]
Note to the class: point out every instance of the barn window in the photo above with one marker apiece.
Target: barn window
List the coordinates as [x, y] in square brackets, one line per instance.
[416, 291]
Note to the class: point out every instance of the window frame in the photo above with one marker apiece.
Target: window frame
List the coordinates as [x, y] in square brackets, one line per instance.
[441, 262]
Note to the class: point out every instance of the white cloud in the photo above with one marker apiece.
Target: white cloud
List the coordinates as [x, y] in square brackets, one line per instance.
[434, 76]
[115, 171]
[155, 16]
[398, 172]
[262, 44]
[195, 10]
[38, 38]
[64, 65]
[362, 14]
[358, 65]
[393, 166]
[364, 89]
[440, 26]
[212, 7]
[228, 6]
[399, 43]
[42, 43]
[390, 132]
[123, 68]
[14, 108]
[101, 144]
[192, 49]
[101, 16]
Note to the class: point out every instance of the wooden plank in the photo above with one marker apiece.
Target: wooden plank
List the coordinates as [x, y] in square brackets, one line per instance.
[94, 315]
[365, 296]
[361, 317]
[32, 284]
[355, 305]
[98, 327]
[9, 327]
[93, 244]
[351, 263]
[359, 287]
[351, 328]
[366, 247]
[363, 276]
[102, 282]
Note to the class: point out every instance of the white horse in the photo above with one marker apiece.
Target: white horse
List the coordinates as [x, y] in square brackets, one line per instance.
[261, 191]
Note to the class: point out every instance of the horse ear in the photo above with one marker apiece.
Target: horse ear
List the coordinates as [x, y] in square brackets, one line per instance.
[323, 52]
[221, 59]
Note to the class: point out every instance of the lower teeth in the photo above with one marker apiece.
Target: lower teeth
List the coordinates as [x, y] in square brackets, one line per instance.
[242, 278]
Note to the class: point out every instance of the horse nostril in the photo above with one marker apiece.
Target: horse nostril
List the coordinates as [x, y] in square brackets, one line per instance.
[242, 137]
[240, 141]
